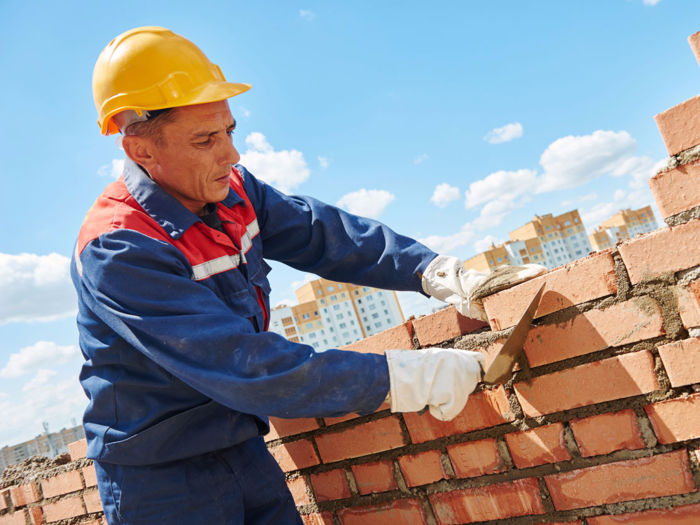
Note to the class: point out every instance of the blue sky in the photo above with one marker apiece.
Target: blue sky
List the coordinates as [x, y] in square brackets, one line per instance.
[372, 105]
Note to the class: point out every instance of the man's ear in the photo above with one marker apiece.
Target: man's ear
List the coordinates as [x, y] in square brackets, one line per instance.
[140, 150]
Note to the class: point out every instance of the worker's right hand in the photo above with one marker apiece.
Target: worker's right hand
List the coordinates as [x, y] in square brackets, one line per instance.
[440, 378]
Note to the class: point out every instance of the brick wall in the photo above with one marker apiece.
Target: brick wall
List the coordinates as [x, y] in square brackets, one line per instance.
[600, 424]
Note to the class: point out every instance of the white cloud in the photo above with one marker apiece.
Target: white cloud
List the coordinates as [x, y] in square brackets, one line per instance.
[444, 194]
[38, 356]
[574, 161]
[420, 158]
[500, 185]
[244, 111]
[308, 277]
[286, 170]
[366, 203]
[43, 398]
[622, 199]
[113, 171]
[484, 244]
[566, 204]
[494, 212]
[35, 288]
[307, 15]
[640, 169]
[285, 302]
[324, 162]
[447, 244]
[590, 197]
[413, 303]
[505, 134]
[651, 2]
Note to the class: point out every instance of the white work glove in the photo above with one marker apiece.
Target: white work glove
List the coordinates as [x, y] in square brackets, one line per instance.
[446, 279]
[439, 378]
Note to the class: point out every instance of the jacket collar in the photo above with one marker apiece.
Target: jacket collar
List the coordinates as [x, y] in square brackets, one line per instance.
[165, 209]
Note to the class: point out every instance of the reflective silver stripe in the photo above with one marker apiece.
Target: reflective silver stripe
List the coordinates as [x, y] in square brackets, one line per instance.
[209, 268]
[247, 238]
[78, 264]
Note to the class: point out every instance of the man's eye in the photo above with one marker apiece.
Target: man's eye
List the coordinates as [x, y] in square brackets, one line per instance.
[203, 143]
[230, 133]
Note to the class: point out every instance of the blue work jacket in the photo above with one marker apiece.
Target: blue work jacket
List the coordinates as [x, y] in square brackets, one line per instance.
[172, 316]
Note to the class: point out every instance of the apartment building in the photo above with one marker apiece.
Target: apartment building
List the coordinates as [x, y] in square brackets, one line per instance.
[546, 240]
[623, 225]
[332, 314]
[49, 445]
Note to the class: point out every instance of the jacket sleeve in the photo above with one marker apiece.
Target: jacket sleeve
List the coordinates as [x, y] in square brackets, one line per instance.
[311, 236]
[141, 288]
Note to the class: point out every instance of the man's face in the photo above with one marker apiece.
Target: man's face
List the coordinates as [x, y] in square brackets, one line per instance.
[194, 161]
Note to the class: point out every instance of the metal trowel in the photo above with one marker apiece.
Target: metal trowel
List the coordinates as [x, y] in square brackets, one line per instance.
[501, 367]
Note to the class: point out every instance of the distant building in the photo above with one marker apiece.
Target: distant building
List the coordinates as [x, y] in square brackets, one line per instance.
[546, 240]
[49, 445]
[332, 314]
[623, 225]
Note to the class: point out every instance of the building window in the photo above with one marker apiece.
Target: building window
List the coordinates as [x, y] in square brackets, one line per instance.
[334, 297]
[336, 307]
[330, 288]
[339, 316]
[315, 314]
[383, 303]
[357, 293]
[567, 223]
[499, 259]
[370, 298]
[578, 252]
[320, 292]
[346, 334]
[362, 310]
[340, 286]
[309, 325]
[364, 319]
[547, 228]
[335, 339]
[289, 331]
[367, 327]
[323, 301]
[372, 306]
[352, 323]
[386, 312]
[575, 220]
[354, 332]
[325, 341]
[570, 230]
[379, 294]
[319, 323]
[359, 301]
[549, 235]
[342, 295]
[312, 335]
[286, 321]
[378, 325]
[375, 316]
[365, 289]
[342, 325]
[305, 316]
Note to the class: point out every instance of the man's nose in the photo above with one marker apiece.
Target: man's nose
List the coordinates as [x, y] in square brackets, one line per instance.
[230, 154]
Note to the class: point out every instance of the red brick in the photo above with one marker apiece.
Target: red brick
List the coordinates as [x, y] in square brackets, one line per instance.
[4, 499]
[323, 518]
[396, 338]
[335, 420]
[538, 446]
[476, 458]
[446, 324]
[492, 502]
[484, 409]
[400, 512]
[62, 484]
[580, 281]
[64, 509]
[362, 440]
[377, 476]
[662, 251]
[331, 485]
[687, 515]
[688, 304]
[653, 477]
[694, 41]
[300, 490]
[676, 419]
[36, 516]
[595, 330]
[422, 468]
[615, 378]
[78, 449]
[16, 518]
[280, 428]
[24, 494]
[491, 350]
[90, 476]
[677, 190]
[680, 126]
[606, 433]
[682, 361]
[295, 455]
[93, 503]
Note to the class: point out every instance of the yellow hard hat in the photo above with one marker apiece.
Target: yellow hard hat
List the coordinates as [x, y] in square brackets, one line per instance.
[151, 68]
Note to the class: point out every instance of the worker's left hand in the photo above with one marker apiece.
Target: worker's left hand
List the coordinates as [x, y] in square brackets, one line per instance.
[446, 279]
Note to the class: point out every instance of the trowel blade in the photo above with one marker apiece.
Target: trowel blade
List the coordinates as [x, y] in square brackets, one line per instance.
[501, 367]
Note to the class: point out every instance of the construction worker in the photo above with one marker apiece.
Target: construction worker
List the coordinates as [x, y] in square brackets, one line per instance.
[173, 294]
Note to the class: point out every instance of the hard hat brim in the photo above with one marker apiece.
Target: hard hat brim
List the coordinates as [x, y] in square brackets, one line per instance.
[210, 92]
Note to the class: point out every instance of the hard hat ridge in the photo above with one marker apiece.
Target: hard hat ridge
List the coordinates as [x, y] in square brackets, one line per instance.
[151, 68]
